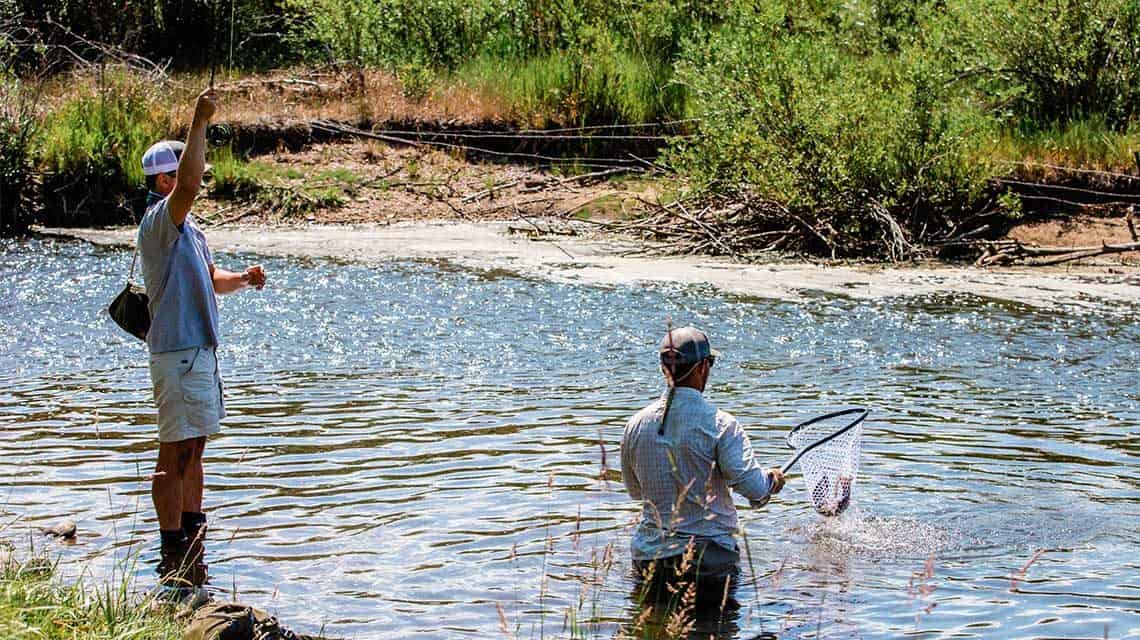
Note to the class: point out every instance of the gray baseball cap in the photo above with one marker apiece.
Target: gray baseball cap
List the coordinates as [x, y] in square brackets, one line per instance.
[686, 345]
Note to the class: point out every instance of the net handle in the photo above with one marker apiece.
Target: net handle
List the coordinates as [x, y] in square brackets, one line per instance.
[824, 440]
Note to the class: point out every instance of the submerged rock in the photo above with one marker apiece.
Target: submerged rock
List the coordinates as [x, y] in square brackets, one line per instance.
[64, 529]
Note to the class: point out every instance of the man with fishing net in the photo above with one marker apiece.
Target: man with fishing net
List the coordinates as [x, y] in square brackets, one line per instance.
[181, 285]
[680, 456]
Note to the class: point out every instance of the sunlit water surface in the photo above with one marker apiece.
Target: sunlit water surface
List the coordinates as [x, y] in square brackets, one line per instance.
[416, 450]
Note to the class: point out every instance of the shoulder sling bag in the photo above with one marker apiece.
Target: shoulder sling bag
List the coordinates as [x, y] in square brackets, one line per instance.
[130, 309]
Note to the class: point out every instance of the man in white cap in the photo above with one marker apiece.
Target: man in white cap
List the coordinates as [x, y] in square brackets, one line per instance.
[182, 282]
[679, 457]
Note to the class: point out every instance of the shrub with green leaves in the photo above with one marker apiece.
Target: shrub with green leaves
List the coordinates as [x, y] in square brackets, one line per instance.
[837, 134]
[1052, 61]
[91, 148]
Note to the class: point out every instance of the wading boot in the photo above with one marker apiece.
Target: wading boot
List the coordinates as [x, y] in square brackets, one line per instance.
[194, 525]
[172, 558]
[180, 563]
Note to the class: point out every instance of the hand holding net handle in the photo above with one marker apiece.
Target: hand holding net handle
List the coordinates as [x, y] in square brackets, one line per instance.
[862, 415]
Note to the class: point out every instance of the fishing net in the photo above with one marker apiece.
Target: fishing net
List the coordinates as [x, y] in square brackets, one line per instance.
[830, 463]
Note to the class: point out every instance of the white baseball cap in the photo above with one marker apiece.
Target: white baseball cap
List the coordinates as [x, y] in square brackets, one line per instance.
[162, 157]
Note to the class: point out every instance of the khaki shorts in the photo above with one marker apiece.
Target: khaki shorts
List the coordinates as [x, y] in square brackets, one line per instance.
[188, 393]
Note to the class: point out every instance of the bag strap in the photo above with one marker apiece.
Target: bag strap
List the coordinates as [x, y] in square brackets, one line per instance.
[134, 258]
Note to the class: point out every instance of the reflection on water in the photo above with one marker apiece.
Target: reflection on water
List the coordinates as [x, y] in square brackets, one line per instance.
[414, 448]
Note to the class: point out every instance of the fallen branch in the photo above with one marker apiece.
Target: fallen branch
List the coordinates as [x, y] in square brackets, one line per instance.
[595, 175]
[474, 197]
[249, 211]
[279, 84]
[333, 127]
[1008, 252]
[708, 231]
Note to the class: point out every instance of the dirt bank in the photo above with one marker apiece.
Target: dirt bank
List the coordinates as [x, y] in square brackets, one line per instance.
[600, 260]
[372, 182]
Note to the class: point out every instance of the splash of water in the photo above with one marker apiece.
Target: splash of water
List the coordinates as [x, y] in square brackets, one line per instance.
[857, 533]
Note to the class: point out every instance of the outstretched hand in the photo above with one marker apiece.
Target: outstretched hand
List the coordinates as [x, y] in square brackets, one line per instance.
[254, 276]
[777, 478]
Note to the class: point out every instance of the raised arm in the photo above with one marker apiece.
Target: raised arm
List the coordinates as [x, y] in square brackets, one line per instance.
[192, 164]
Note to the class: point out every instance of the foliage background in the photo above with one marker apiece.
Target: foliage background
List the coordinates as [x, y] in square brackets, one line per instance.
[838, 110]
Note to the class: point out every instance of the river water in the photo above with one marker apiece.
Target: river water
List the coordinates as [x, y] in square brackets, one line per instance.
[420, 450]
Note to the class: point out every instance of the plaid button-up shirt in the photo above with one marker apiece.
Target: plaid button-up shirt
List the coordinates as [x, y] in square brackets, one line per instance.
[683, 476]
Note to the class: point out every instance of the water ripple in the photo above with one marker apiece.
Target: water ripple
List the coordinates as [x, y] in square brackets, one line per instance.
[410, 444]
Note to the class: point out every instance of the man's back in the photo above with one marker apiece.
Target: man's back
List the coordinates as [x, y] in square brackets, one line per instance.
[683, 473]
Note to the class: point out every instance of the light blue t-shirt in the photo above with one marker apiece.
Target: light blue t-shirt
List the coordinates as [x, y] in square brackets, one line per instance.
[176, 270]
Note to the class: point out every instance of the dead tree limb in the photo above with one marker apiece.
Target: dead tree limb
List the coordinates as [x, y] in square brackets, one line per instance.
[490, 191]
[595, 175]
[1009, 252]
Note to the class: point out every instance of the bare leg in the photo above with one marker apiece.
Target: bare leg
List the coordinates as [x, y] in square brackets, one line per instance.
[193, 481]
[166, 490]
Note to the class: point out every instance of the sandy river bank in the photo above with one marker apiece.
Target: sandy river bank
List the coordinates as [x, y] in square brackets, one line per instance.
[492, 245]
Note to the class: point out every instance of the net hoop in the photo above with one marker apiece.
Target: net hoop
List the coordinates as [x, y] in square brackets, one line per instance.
[799, 428]
[829, 458]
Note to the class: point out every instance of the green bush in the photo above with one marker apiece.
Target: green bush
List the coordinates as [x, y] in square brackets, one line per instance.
[796, 112]
[391, 33]
[91, 148]
[1051, 61]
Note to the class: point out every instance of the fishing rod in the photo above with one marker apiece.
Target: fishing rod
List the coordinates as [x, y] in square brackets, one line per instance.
[213, 59]
[218, 134]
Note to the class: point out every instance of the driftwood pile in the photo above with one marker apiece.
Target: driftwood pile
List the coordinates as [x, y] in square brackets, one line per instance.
[1011, 252]
[708, 230]
[743, 227]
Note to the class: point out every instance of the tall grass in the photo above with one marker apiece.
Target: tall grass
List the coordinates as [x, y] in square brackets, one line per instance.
[563, 61]
[34, 605]
[606, 86]
[91, 146]
[18, 125]
[1090, 142]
